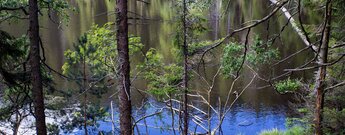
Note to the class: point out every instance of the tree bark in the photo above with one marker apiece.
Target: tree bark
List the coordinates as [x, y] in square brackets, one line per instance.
[185, 74]
[36, 77]
[85, 93]
[321, 73]
[124, 68]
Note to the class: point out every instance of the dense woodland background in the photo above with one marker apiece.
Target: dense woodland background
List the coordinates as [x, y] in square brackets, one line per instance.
[172, 67]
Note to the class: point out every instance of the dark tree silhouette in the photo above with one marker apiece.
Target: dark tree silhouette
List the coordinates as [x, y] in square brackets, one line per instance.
[185, 73]
[36, 77]
[123, 68]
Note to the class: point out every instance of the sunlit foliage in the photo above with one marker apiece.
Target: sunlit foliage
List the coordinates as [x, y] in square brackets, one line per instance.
[162, 79]
[97, 48]
[288, 85]
[257, 54]
[296, 130]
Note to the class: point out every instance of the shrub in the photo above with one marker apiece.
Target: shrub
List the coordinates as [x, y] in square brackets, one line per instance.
[288, 85]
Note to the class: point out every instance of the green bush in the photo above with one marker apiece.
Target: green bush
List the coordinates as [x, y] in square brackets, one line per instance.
[334, 120]
[288, 85]
[295, 130]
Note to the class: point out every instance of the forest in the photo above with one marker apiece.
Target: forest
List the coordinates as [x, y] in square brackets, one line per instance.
[172, 67]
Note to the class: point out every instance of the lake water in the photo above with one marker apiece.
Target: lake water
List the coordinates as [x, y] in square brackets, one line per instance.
[256, 109]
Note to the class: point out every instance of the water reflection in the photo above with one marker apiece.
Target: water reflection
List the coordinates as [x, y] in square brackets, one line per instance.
[243, 119]
[257, 108]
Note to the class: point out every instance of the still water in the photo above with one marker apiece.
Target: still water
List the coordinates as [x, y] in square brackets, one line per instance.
[256, 109]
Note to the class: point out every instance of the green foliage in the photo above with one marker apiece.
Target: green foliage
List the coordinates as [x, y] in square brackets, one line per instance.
[60, 7]
[312, 3]
[5, 111]
[53, 129]
[334, 111]
[12, 4]
[196, 26]
[271, 132]
[262, 53]
[295, 130]
[315, 8]
[291, 122]
[259, 53]
[94, 113]
[335, 98]
[13, 50]
[288, 85]
[199, 6]
[98, 49]
[232, 58]
[196, 47]
[334, 120]
[16, 96]
[55, 102]
[162, 79]
[337, 70]
[302, 110]
[12, 70]
[195, 8]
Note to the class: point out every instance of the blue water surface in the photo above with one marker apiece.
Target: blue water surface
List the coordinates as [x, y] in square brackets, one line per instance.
[241, 120]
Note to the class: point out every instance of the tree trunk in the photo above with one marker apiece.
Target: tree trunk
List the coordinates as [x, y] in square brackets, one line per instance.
[321, 74]
[124, 68]
[185, 74]
[36, 77]
[172, 113]
[85, 93]
[214, 19]
[17, 122]
[294, 25]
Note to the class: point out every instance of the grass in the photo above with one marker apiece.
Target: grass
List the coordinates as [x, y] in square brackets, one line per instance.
[295, 130]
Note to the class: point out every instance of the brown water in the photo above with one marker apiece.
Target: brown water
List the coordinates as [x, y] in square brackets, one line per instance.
[263, 107]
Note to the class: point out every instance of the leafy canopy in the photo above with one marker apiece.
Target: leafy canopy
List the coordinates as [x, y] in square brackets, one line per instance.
[162, 79]
[259, 53]
[98, 49]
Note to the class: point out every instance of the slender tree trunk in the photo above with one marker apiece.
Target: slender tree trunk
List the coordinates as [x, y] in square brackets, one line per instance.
[112, 119]
[214, 18]
[209, 111]
[36, 77]
[321, 74]
[185, 74]
[84, 91]
[172, 113]
[124, 68]
[228, 23]
[135, 24]
[17, 123]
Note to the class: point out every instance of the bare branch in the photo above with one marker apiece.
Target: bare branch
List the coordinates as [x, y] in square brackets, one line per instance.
[335, 86]
[22, 8]
[280, 5]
